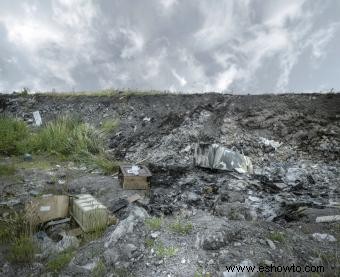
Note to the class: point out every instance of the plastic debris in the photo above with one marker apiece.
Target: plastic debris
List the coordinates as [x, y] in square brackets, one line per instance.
[215, 156]
[37, 118]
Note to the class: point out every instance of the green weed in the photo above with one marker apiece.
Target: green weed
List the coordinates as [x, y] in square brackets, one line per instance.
[163, 251]
[99, 270]
[57, 263]
[12, 132]
[109, 125]
[154, 223]
[7, 169]
[277, 236]
[180, 227]
[22, 250]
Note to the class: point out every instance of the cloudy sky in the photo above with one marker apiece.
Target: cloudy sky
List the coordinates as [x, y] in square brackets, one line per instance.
[245, 46]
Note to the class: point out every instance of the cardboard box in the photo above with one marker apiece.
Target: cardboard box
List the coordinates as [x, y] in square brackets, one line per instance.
[134, 177]
[47, 207]
[89, 213]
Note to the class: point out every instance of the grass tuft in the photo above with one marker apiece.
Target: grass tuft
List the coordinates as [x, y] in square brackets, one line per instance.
[22, 250]
[109, 125]
[154, 223]
[277, 236]
[180, 227]
[163, 251]
[12, 131]
[99, 270]
[7, 170]
[57, 263]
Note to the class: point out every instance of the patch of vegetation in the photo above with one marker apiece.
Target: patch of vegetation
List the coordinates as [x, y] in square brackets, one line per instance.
[104, 164]
[12, 132]
[66, 136]
[98, 232]
[163, 251]
[154, 223]
[22, 250]
[109, 125]
[149, 242]
[181, 227]
[57, 263]
[105, 93]
[14, 226]
[7, 169]
[200, 273]
[99, 270]
[277, 236]
[122, 272]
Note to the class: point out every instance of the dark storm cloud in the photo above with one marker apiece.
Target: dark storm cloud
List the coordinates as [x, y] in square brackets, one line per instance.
[241, 45]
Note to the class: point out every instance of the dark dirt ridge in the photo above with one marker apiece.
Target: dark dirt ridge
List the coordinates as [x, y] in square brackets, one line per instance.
[293, 141]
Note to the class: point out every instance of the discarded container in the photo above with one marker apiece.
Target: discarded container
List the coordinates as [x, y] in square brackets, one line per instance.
[215, 156]
[134, 177]
[37, 118]
[47, 207]
[88, 212]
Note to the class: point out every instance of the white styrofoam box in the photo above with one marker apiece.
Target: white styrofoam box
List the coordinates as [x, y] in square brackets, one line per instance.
[89, 213]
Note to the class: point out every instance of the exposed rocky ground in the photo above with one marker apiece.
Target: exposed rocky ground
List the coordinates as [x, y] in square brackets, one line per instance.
[263, 218]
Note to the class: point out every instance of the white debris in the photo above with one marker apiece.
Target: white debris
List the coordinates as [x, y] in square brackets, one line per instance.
[323, 237]
[147, 119]
[270, 142]
[37, 118]
[134, 170]
[327, 218]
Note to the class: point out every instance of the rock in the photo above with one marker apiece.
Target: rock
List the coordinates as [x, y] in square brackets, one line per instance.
[218, 239]
[234, 211]
[271, 244]
[323, 237]
[192, 198]
[67, 242]
[126, 226]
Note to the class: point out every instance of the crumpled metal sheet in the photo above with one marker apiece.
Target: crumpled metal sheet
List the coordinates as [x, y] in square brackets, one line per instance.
[215, 156]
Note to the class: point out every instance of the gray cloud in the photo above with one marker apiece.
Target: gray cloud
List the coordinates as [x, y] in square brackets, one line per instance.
[193, 46]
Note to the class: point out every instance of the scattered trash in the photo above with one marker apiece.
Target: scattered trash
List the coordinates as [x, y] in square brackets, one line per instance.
[323, 237]
[147, 119]
[134, 198]
[47, 207]
[269, 142]
[328, 218]
[119, 204]
[88, 212]
[37, 118]
[76, 232]
[134, 177]
[56, 222]
[28, 157]
[214, 156]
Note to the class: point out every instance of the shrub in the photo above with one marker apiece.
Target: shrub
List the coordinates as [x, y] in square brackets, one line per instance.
[12, 131]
